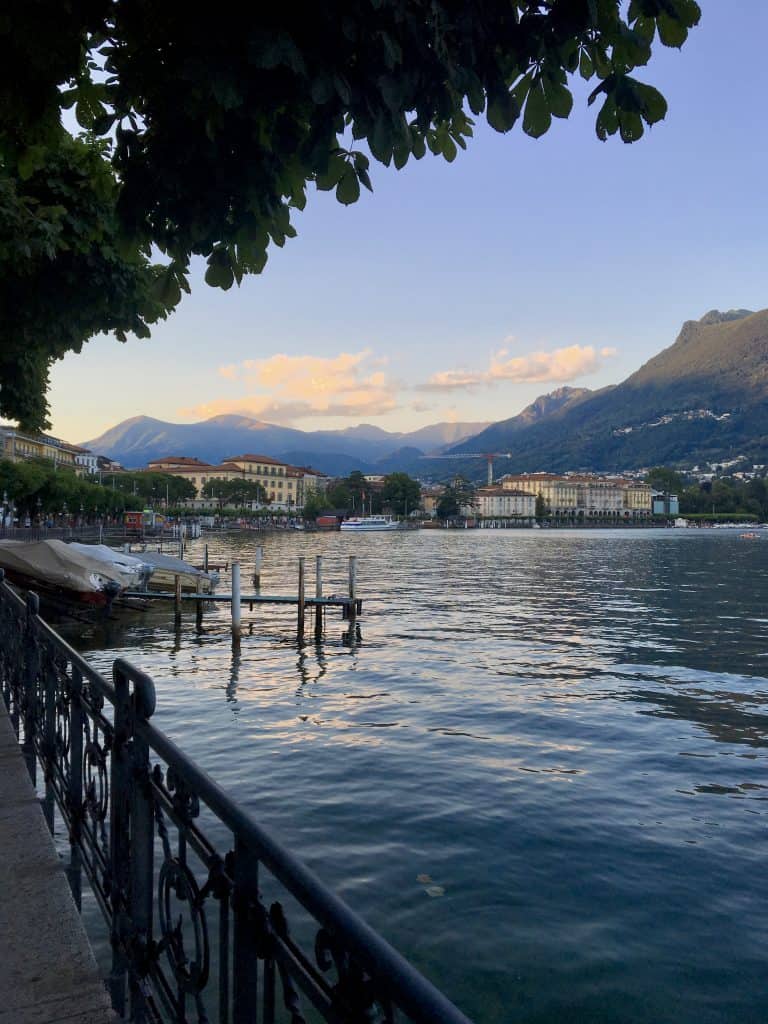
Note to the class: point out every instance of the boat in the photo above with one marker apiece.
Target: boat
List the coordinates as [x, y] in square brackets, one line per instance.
[367, 524]
[63, 575]
[165, 569]
[136, 570]
[749, 535]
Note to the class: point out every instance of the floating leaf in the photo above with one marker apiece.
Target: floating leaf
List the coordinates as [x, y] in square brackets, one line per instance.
[424, 879]
[434, 891]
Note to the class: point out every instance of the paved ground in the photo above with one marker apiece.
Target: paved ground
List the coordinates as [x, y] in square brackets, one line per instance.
[47, 971]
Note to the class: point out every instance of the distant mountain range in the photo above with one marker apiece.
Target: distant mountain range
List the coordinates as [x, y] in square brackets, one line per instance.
[702, 399]
[136, 441]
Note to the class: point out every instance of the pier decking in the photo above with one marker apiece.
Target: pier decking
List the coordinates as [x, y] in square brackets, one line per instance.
[47, 970]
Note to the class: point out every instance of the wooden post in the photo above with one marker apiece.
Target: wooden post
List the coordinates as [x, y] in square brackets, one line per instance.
[177, 599]
[235, 604]
[257, 567]
[300, 620]
[318, 593]
[205, 559]
[199, 605]
[181, 545]
[352, 588]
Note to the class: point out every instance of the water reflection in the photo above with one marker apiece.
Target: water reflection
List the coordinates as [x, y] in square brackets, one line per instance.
[565, 732]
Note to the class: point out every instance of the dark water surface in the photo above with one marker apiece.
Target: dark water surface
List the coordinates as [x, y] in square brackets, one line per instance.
[566, 731]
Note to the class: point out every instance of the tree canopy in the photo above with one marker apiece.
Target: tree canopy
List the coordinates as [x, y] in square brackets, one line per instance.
[203, 131]
[401, 493]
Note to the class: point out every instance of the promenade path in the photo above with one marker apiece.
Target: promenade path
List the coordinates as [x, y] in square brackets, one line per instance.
[47, 971]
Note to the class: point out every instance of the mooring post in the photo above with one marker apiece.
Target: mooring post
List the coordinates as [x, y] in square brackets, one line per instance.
[235, 603]
[300, 620]
[352, 587]
[199, 604]
[257, 567]
[205, 559]
[177, 599]
[318, 593]
[181, 545]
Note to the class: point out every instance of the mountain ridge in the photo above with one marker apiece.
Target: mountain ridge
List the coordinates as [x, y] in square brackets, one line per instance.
[703, 398]
[139, 439]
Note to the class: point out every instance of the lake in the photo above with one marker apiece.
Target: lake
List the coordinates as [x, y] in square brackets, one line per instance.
[539, 771]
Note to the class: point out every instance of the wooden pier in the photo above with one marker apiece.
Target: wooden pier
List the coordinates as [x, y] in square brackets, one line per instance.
[350, 604]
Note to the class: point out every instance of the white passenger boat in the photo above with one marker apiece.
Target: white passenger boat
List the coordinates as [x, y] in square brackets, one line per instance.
[366, 524]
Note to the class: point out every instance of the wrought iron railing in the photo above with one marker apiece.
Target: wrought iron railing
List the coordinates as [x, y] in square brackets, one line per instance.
[197, 896]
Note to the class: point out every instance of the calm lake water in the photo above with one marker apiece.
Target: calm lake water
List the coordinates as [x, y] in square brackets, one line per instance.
[566, 731]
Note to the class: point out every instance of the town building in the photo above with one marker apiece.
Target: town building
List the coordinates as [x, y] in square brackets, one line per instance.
[18, 445]
[504, 503]
[665, 504]
[584, 495]
[88, 462]
[430, 497]
[286, 487]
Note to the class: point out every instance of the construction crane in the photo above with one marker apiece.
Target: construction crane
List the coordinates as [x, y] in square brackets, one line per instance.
[488, 456]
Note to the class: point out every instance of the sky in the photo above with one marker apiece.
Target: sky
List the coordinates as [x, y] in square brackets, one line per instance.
[463, 291]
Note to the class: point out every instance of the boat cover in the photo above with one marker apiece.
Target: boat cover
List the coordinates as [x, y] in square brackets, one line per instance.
[136, 569]
[60, 565]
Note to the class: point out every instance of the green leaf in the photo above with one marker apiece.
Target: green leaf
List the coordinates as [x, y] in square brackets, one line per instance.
[586, 67]
[348, 189]
[672, 32]
[630, 126]
[449, 149]
[336, 168]
[607, 120]
[418, 145]
[30, 160]
[537, 117]
[652, 104]
[503, 111]
[475, 93]
[558, 97]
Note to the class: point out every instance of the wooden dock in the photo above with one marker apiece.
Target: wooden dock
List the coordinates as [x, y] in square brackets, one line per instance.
[350, 604]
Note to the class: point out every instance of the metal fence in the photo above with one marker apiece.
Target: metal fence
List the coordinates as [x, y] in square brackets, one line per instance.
[210, 919]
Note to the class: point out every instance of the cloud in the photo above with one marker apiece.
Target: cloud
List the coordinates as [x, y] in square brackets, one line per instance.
[284, 388]
[559, 365]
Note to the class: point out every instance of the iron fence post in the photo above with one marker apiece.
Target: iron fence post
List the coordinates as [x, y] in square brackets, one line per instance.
[119, 839]
[47, 749]
[142, 841]
[75, 793]
[245, 969]
[31, 667]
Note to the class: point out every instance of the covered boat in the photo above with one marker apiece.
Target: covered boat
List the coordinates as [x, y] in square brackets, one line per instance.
[165, 569]
[136, 571]
[57, 570]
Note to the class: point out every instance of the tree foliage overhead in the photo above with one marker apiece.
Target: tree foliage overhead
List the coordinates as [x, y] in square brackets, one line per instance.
[214, 124]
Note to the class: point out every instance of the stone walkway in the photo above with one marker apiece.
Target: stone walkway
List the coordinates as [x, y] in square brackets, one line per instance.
[47, 971]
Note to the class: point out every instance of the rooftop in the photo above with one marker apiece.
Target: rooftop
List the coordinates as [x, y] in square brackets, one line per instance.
[179, 460]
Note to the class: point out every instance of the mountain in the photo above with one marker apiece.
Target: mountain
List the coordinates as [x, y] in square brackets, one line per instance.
[136, 441]
[704, 398]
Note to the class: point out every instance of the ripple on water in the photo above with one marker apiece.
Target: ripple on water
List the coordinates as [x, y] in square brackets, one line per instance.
[564, 733]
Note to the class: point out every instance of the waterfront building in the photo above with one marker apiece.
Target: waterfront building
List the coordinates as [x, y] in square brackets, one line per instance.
[18, 445]
[430, 496]
[286, 487]
[584, 495]
[665, 504]
[504, 503]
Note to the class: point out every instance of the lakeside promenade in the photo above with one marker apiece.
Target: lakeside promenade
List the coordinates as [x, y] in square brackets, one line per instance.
[48, 973]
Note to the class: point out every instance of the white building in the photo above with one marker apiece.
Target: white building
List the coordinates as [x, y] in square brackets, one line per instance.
[504, 503]
[88, 461]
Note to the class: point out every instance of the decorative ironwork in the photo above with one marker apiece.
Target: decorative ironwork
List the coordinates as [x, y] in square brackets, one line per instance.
[179, 869]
